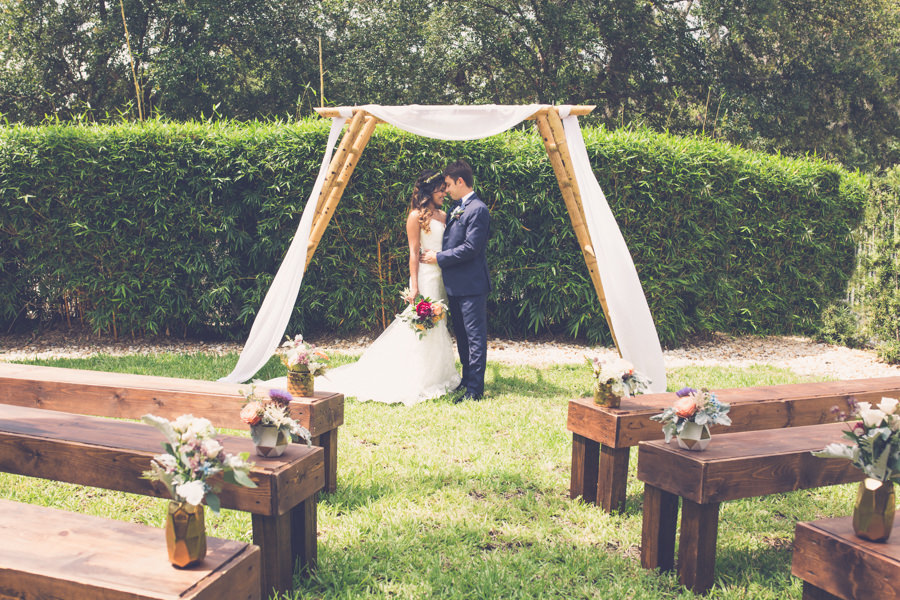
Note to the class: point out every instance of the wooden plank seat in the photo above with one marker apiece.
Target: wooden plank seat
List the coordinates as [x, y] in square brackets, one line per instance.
[111, 454]
[834, 564]
[128, 396]
[735, 465]
[50, 553]
[602, 437]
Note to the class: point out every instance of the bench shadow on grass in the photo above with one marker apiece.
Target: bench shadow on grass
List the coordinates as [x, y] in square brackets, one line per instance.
[524, 381]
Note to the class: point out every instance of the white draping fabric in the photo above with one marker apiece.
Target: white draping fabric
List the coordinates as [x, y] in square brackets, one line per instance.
[628, 310]
[453, 122]
[275, 312]
[629, 313]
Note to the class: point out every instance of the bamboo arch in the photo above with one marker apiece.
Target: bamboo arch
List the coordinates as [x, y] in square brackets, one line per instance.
[359, 131]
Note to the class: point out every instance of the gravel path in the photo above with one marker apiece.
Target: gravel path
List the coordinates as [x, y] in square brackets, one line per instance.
[801, 355]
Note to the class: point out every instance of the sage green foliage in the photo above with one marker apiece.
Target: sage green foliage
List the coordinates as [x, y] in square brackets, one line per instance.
[876, 283]
[452, 502]
[841, 325]
[180, 228]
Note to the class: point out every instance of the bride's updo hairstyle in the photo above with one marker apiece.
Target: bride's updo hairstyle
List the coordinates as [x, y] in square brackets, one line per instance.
[428, 182]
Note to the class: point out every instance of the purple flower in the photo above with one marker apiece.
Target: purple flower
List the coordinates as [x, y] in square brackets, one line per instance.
[281, 396]
[685, 391]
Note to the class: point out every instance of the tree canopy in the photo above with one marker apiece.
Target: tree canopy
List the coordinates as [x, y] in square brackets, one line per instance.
[797, 76]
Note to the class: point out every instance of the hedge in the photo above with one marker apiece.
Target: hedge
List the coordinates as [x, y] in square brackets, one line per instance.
[178, 229]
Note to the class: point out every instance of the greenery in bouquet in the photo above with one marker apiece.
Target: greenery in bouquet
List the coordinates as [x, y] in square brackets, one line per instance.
[422, 313]
[700, 407]
[193, 455]
[272, 410]
[875, 438]
[298, 355]
[619, 376]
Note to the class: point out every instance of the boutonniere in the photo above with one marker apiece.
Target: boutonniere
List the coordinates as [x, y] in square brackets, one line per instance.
[457, 212]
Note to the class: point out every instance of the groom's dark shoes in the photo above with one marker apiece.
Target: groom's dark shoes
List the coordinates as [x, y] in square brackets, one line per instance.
[460, 388]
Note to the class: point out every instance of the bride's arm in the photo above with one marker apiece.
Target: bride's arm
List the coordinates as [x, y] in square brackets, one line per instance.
[412, 236]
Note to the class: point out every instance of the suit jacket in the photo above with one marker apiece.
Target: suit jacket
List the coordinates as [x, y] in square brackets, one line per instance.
[463, 261]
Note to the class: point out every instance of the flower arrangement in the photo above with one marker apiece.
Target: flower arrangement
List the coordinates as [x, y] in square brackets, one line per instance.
[193, 454]
[298, 355]
[876, 439]
[273, 410]
[422, 313]
[618, 377]
[692, 406]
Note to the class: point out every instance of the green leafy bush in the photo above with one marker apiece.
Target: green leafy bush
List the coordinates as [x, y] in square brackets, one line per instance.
[179, 228]
[842, 326]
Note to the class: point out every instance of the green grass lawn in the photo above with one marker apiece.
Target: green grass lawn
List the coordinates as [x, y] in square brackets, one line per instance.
[470, 500]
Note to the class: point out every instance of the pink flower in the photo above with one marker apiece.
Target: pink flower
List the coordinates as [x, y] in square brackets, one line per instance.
[250, 413]
[685, 407]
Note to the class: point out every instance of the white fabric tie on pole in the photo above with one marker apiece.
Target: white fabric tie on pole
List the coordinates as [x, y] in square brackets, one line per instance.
[629, 313]
[275, 312]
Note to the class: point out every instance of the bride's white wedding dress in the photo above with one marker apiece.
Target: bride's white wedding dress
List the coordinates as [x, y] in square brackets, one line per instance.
[398, 366]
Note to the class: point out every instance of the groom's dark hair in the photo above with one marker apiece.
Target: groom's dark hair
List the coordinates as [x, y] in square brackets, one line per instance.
[458, 169]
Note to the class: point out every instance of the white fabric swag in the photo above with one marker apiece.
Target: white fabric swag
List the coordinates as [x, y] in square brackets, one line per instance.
[628, 310]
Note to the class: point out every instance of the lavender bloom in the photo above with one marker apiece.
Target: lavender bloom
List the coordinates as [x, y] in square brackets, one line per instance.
[685, 391]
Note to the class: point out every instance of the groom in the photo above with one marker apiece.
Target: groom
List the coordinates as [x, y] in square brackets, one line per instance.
[465, 272]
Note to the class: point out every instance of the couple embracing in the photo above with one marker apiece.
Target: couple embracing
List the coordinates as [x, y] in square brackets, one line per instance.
[447, 263]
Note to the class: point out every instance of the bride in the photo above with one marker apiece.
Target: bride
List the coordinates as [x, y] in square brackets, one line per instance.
[399, 367]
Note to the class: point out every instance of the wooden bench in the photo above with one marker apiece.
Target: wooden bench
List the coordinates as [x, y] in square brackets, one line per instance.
[127, 396]
[110, 454]
[49, 553]
[834, 564]
[736, 465]
[602, 437]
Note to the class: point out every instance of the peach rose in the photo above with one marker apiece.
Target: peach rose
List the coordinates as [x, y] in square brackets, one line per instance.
[685, 407]
[250, 413]
[437, 309]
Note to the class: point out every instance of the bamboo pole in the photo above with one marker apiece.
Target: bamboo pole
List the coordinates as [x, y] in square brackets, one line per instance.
[558, 152]
[578, 111]
[340, 183]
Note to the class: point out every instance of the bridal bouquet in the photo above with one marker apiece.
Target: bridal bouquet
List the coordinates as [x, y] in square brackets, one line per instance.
[423, 313]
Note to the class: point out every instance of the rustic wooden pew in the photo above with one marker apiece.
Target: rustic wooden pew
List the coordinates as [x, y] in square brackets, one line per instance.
[48, 553]
[128, 396]
[834, 564]
[110, 454]
[735, 465]
[602, 437]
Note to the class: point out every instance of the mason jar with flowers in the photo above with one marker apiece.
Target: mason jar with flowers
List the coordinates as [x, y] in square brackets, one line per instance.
[192, 455]
[615, 379]
[271, 426]
[875, 448]
[304, 362]
[689, 418]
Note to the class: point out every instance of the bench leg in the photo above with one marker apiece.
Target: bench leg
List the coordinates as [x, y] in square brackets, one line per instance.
[273, 536]
[658, 531]
[697, 545]
[329, 443]
[811, 592]
[585, 455]
[304, 531]
[612, 480]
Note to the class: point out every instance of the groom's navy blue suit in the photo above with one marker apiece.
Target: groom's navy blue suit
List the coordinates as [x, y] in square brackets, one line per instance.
[465, 272]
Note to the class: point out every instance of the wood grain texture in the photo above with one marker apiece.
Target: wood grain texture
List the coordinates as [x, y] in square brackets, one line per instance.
[113, 455]
[697, 545]
[612, 478]
[127, 396]
[585, 464]
[746, 465]
[660, 519]
[831, 559]
[752, 409]
[49, 553]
